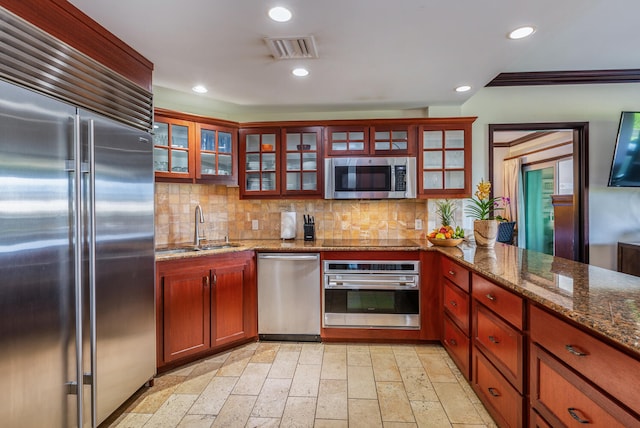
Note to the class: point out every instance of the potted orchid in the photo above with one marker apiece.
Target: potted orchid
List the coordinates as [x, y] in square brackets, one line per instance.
[481, 209]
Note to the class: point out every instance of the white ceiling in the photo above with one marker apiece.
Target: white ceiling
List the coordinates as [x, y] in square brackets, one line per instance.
[373, 54]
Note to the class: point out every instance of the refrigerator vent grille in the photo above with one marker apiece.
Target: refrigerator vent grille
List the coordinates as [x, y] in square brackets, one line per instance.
[34, 59]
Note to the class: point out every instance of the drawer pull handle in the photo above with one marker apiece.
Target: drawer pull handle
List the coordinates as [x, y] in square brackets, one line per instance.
[452, 273]
[453, 303]
[493, 339]
[575, 351]
[494, 392]
[491, 297]
[574, 415]
[453, 342]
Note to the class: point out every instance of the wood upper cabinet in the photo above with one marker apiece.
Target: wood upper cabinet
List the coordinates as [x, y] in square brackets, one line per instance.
[173, 148]
[444, 158]
[203, 304]
[191, 149]
[371, 140]
[281, 162]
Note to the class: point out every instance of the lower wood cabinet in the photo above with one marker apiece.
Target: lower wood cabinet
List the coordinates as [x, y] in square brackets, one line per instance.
[204, 304]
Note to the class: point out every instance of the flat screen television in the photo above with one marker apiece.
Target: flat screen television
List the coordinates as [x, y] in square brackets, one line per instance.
[625, 168]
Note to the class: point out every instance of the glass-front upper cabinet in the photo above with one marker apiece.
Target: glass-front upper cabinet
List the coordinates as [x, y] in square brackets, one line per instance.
[259, 162]
[371, 139]
[172, 154]
[302, 160]
[216, 153]
[445, 159]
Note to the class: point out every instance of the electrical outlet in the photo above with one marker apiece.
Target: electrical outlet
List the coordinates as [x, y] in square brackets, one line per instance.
[418, 224]
[254, 224]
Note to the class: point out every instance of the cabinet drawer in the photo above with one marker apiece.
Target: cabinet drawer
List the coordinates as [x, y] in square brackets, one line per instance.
[456, 304]
[565, 399]
[455, 273]
[536, 421]
[457, 345]
[501, 343]
[503, 302]
[589, 356]
[503, 402]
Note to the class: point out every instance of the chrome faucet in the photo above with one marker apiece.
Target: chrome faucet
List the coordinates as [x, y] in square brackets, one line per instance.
[196, 231]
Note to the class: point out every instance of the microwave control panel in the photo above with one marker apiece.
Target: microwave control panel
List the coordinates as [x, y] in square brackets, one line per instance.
[401, 178]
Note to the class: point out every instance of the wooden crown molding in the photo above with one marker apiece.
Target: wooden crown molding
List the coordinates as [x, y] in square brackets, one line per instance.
[576, 77]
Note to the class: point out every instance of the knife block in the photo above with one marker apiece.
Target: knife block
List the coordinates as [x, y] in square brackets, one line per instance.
[309, 232]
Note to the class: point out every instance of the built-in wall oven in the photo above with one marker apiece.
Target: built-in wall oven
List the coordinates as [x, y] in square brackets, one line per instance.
[371, 294]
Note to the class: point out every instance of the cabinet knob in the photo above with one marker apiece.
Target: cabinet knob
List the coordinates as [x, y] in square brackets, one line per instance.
[494, 392]
[452, 342]
[205, 281]
[572, 350]
[453, 303]
[493, 339]
[491, 297]
[572, 411]
[452, 273]
[215, 279]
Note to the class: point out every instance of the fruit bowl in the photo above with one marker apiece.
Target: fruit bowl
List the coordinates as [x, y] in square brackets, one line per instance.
[451, 242]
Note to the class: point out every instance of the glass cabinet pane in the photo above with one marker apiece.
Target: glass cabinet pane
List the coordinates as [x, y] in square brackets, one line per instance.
[179, 161]
[293, 181]
[309, 161]
[225, 165]
[160, 159]
[356, 146]
[207, 140]
[253, 162]
[160, 134]
[293, 141]
[432, 180]
[454, 180]
[268, 142]
[269, 162]
[208, 163]
[309, 139]
[253, 182]
[253, 143]
[224, 142]
[268, 181]
[339, 146]
[357, 136]
[454, 159]
[309, 181]
[383, 145]
[454, 139]
[432, 160]
[179, 136]
[432, 140]
[293, 161]
[339, 136]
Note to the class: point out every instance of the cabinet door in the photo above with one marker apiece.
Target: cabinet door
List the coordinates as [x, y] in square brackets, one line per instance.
[172, 148]
[216, 154]
[444, 160]
[302, 161]
[393, 140]
[233, 299]
[186, 314]
[259, 162]
[347, 140]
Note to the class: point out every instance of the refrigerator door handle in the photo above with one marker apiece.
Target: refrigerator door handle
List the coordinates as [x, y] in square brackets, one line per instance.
[77, 247]
[92, 271]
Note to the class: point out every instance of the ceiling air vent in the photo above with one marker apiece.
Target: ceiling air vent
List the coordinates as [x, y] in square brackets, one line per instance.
[292, 47]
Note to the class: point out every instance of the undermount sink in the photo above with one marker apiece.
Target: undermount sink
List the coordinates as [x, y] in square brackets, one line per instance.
[215, 246]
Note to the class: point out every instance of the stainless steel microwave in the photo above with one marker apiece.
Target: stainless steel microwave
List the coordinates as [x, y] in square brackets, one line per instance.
[370, 178]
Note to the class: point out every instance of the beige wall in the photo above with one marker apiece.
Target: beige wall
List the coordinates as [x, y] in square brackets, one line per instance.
[227, 215]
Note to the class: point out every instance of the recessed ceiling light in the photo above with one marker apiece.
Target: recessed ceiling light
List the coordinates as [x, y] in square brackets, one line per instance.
[463, 88]
[300, 72]
[280, 14]
[200, 89]
[522, 32]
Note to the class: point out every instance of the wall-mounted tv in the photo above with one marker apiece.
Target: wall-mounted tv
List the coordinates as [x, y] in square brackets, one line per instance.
[625, 168]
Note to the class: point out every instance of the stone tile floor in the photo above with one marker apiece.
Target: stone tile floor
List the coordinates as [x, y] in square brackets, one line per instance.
[271, 384]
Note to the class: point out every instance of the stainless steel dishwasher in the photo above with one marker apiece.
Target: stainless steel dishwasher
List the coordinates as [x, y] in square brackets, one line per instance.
[289, 296]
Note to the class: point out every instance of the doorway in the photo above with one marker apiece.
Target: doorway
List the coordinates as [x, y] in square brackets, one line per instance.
[571, 147]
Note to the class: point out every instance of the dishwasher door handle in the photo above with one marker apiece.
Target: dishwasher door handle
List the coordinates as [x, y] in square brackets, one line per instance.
[292, 257]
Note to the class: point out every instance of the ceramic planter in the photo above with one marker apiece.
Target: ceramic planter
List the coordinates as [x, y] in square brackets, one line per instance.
[485, 232]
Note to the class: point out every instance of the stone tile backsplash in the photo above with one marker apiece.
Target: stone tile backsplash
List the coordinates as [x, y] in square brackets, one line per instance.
[227, 215]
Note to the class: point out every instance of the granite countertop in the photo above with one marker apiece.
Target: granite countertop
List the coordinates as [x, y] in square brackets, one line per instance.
[601, 300]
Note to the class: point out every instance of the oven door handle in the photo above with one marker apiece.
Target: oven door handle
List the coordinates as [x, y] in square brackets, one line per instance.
[378, 284]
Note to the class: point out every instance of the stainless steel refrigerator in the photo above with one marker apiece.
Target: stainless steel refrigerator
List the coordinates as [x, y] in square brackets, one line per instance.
[77, 326]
